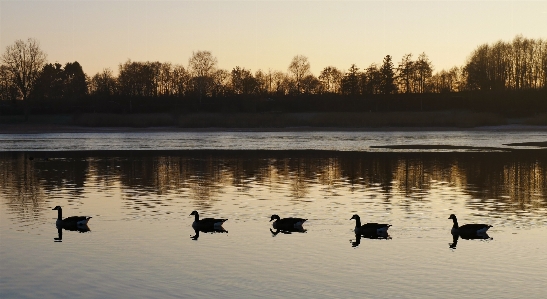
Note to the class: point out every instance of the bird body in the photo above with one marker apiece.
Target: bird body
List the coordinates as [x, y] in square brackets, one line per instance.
[206, 222]
[468, 228]
[287, 223]
[70, 221]
[369, 228]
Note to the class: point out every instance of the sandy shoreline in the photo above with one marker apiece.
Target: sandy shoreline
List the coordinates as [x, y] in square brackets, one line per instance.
[50, 128]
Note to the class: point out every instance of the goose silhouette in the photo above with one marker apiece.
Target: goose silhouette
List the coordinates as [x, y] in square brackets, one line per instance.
[70, 222]
[206, 223]
[287, 223]
[468, 228]
[369, 228]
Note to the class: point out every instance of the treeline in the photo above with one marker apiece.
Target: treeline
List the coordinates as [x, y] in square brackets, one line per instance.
[504, 70]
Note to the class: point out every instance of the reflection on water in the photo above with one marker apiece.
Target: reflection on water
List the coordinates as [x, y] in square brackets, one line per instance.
[287, 230]
[80, 229]
[140, 203]
[208, 230]
[468, 236]
[494, 183]
[375, 236]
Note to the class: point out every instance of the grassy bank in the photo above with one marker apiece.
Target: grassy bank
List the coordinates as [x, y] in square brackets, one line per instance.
[458, 119]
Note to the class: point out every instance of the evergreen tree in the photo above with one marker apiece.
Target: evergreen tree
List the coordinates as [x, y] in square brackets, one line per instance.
[387, 85]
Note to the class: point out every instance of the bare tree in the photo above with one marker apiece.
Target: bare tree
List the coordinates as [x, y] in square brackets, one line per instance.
[331, 78]
[516, 65]
[262, 82]
[373, 79]
[8, 91]
[242, 81]
[405, 72]
[299, 68]
[202, 66]
[181, 80]
[311, 85]
[424, 71]
[220, 83]
[103, 83]
[24, 61]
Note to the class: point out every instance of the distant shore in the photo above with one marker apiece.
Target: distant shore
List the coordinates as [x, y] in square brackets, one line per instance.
[45, 129]
[270, 122]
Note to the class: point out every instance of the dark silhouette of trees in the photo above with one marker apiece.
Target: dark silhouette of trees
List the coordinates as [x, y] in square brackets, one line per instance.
[75, 83]
[311, 85]
[331, 78]
[405, 72]
[373, 80]
[220, 83]
[202, 66]
[263, 82]
[24, 62]
[60, 86]
[518, 65]
[424, 71]
[495, 77]
[299, 68]
[414, 76]
[447, 81]
[103, 84]
[387, 85]
[243, 81]
[137, 79]
[8, 90]
[350, 82]
[50, 85]
[181, 80]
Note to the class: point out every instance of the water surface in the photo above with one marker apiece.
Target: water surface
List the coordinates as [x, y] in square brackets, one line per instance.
[140, 241]
[375, 141]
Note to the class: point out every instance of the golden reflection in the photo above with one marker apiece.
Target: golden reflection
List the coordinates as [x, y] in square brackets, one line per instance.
[496, 182]
[20, 185]
[299, 179]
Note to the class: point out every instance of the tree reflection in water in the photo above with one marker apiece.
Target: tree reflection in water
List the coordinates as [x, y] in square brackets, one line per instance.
[516, 180]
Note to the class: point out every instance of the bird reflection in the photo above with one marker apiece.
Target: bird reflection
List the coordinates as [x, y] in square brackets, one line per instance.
[467, 236]
[79, 228]
[287, 230]
[211, 230]
[379, 235]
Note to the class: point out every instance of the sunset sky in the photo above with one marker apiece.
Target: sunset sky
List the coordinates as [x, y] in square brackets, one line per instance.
[266, 34]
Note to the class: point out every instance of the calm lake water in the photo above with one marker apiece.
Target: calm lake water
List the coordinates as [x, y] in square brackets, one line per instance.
[140, 241]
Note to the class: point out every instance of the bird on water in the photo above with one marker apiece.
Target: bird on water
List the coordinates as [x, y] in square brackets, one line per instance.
[70, 221]
[369, 228]
[468, 228]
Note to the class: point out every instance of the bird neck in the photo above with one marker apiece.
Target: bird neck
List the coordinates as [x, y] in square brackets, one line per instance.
[59, 214]
[357, 222]
[196, 217]
[455, 223]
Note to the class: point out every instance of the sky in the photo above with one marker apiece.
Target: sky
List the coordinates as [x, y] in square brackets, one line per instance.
[266, 35]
